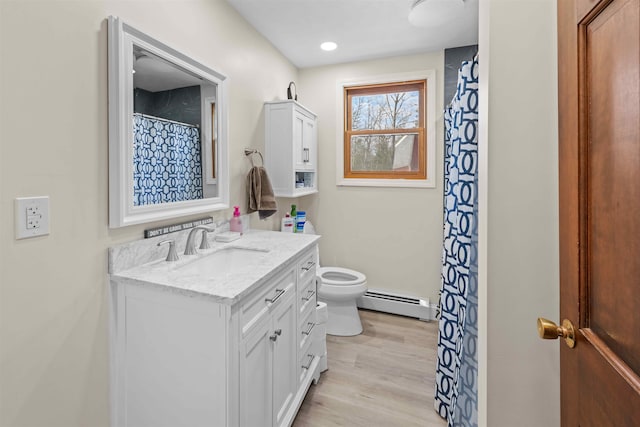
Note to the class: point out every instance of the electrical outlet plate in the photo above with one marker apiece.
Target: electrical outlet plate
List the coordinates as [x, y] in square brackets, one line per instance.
[31, 216]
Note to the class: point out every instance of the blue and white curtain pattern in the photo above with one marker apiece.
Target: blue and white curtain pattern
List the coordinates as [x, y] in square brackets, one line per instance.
[167, 166]
[456, 397]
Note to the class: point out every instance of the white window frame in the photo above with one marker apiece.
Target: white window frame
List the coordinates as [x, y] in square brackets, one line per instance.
[430, 130]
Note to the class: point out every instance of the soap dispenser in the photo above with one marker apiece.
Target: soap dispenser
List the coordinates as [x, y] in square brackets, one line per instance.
[235, 223]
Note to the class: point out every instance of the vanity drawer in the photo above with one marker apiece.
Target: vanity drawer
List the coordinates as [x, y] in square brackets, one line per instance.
[269, 295]
[307, 265]
[307, 296]
[305, 329]
[305, 360]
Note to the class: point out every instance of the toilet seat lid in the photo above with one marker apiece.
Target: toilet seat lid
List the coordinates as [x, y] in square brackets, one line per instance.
[341, 276]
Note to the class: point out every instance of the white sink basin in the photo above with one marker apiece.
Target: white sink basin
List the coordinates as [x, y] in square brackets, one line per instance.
[225, 261]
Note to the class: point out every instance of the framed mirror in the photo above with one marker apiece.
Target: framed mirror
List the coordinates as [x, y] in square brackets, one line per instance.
[168, 145]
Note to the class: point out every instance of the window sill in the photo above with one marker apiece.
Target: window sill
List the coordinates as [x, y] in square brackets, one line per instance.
[403, 183]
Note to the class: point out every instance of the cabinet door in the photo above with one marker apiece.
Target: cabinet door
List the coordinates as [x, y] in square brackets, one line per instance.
[284, 358]
[299, 148]
[256, 379]
[304, 142]
[309, 150]
[309, 143]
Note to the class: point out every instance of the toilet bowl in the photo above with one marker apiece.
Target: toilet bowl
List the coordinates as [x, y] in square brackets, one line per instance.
[339, 288]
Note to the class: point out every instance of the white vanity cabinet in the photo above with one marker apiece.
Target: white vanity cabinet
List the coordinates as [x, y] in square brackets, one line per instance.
[291, 148]
[187, 359]
[276, 361]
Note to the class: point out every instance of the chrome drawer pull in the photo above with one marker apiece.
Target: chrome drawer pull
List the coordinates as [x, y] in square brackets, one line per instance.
[279, 293]
[311, 294]
[308, 331]
[308, 365]
[309, 266]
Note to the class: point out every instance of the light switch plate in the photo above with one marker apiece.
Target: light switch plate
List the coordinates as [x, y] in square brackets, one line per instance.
[31, 216]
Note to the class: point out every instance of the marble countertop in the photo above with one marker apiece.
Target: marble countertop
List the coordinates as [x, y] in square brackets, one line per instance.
[227, 287]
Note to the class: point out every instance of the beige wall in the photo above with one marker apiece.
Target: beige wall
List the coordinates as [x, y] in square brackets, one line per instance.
[522, 371]
[393, 235]
[53, 130]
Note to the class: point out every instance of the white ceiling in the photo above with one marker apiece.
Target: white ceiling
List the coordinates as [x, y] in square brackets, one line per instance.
[154, 74]
[363, 29]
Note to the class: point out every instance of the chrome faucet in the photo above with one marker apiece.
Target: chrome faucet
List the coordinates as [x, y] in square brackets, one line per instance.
[190, 247]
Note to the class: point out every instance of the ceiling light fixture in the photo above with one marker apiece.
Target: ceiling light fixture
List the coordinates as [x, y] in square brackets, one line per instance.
[328, 46]
[434, 13]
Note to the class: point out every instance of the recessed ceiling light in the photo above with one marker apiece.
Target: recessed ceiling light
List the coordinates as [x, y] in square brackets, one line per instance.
[328, 46]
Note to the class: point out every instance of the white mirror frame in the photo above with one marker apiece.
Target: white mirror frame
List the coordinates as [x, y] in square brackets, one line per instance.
[122, 37]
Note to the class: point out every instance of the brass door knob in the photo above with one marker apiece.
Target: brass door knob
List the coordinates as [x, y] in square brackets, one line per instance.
[548, 330]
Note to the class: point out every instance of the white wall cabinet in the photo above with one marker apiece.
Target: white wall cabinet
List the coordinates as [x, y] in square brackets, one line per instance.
[291, 148]
[185, 360]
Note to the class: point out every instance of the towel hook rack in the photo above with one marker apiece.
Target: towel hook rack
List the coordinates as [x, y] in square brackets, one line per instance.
[249, 153]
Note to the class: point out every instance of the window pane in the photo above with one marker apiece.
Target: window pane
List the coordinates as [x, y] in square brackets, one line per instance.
[375, 153]
[396, 110]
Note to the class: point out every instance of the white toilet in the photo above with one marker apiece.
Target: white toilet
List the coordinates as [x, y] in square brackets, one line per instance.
[339, 288]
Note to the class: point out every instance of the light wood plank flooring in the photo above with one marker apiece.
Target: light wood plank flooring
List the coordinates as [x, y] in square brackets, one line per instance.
[381, 378]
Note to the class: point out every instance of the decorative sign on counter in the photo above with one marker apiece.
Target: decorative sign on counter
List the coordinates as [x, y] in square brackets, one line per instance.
[153, 232]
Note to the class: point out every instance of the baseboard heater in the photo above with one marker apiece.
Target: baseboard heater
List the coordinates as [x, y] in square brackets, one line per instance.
[388, 302]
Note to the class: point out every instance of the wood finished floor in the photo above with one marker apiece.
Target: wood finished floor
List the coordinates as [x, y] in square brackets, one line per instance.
[381, 378]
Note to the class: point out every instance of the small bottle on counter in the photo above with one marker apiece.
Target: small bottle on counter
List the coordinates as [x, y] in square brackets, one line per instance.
[293, 216]
[287, 224]
[301, 218]
[235, 223]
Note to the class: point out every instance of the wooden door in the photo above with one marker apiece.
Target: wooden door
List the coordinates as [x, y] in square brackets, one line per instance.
[599, 143]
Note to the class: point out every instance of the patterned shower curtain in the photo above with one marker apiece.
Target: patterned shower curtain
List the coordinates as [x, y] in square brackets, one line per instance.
[456, 397]
[167, 166]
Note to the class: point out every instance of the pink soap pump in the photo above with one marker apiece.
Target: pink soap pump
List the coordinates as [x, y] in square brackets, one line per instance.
[235, 223]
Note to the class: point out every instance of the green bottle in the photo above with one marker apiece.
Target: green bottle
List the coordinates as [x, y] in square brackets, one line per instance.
[293, 214]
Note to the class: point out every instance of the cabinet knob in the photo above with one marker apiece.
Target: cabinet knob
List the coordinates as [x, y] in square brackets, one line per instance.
[275, 335]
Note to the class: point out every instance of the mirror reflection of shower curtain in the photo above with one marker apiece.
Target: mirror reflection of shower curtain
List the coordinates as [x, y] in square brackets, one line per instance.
[456, 394]
[167, 165]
